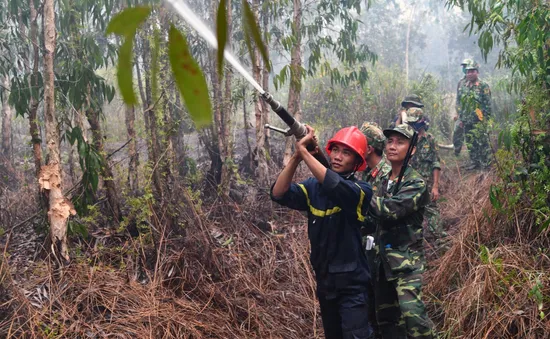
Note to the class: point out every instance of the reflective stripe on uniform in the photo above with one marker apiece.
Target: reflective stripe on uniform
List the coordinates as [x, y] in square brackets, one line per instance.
[318, 212]
[360, 215]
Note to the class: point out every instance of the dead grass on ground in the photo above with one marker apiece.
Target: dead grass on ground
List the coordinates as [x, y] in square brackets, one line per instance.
[493, 281]
[226, 279]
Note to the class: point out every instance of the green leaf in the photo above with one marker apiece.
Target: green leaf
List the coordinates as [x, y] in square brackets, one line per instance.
[221, 32]
[124, 73]
[251, 26]
[126, 22]
[189, 79]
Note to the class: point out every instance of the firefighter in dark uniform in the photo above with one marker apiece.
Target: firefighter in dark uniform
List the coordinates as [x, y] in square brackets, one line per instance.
[336, 203]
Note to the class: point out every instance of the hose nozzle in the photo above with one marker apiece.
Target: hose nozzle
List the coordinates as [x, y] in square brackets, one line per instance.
[275, 105]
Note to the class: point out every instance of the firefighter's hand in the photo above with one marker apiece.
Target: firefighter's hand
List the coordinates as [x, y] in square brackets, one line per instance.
[308, 139]
[435, 194]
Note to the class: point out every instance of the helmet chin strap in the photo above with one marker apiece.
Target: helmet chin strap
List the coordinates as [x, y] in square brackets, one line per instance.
[355, 168]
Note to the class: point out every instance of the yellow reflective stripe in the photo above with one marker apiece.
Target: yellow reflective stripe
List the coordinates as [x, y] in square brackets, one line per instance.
[315, 211]
[360, 215]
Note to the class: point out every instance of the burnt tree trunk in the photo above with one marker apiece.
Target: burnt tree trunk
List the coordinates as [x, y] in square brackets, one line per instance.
[50, 179]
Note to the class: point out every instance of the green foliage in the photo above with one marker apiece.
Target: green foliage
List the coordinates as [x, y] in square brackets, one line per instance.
[252, 33]
[342, 44]
[189, 79]
[522, 28]
[90, 163]
[221, 34]
[125, 24]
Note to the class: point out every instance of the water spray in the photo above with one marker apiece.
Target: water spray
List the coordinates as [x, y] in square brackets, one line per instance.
[295, 128]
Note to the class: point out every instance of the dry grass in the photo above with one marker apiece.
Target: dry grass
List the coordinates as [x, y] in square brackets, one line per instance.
[486, 284]
[227, 279]
[242, 271]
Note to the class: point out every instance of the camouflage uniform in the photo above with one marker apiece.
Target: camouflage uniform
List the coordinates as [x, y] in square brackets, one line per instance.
[474, 108]
[376, 139]
[373, 176]
[400, 262]
[425, 161]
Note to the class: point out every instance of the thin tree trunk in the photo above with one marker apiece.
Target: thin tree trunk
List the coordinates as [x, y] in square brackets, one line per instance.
[50, 179]
[33, 108]
[265, 81]
[246, 134]
[6, 123]
[130, 119]
[259, 153]
[224, 135]
[106, 172]
[407, 47]
[295, 87]
[151, 120]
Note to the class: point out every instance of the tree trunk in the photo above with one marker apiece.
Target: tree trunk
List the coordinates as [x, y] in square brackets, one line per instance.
[246, 134]
[295, 87]
[6, 123]
[33, 108]
[130, 119]
[224, 136]
[151, 120]
[60, 208]
[259, 152]
[407, 47]
[265, 81]
[106, 172]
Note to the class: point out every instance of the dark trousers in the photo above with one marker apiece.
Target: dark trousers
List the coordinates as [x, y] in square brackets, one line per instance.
[346, 316]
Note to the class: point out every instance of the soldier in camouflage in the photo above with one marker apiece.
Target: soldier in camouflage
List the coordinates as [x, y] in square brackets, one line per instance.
[377, 168]
[411, 101]
[464, 63]
[474, 109]
[400, 311]
[426, 161]
[377, 164]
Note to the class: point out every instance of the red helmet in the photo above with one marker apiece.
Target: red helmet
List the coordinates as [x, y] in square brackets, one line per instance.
[353, 138]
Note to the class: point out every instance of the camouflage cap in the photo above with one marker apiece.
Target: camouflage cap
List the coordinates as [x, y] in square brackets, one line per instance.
[374, 135]
[412, 99]
[414, 114]
[403, 129]
[472, 65]
[466, 61]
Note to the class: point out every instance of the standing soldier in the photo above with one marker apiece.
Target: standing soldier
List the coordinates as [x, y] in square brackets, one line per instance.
[459, 127]
[398, 214]
[474, 108]
[426, 161]
[377, 168]
[336, 203]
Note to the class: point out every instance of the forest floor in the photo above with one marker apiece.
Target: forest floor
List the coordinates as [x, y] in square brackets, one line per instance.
[242, 270]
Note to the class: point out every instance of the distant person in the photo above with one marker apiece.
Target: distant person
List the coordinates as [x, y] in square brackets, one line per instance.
[464, 63]
[336, 203]
[458, 133]
[377, 168]
[410, 101]
[427, 163]
[397, 220]
[474, 109]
